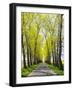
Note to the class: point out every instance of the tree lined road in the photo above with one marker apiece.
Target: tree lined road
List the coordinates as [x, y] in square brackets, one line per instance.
[42, 70]
[42, 40]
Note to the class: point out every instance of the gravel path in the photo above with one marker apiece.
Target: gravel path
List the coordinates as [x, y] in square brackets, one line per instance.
[42, 70]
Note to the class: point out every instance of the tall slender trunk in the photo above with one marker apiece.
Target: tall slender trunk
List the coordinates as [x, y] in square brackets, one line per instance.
[60, 45]
[35, 59]
[49, 57]
[22, 43]
[30, 55]
[28, 60]
[23, 50]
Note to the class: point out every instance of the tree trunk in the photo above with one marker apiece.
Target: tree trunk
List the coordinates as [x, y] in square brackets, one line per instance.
[60, 45]
[30, 57]
[35, 59]
[23, 50]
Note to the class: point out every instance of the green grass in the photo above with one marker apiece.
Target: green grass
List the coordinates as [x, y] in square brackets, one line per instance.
[56, 69]
[26, 71]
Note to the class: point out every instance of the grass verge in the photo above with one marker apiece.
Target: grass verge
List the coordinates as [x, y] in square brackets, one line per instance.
[26, 71]
[56, 69]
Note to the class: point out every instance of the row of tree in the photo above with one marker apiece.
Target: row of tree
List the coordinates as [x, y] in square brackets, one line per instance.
[42, 38]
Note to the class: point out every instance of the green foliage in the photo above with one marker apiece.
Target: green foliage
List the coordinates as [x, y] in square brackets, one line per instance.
[26, 71]
[56, 69]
